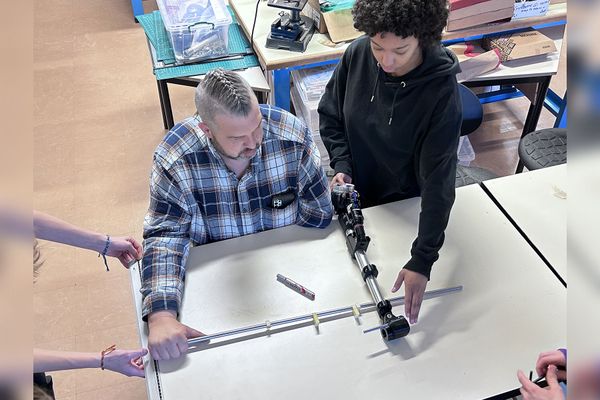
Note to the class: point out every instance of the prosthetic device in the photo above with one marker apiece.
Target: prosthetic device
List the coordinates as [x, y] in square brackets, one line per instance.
[347, 207]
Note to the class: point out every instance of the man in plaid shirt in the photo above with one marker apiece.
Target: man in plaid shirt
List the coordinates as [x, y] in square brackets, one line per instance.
[235, 168]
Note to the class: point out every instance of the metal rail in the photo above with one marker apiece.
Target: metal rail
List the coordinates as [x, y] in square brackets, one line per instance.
[339, 312]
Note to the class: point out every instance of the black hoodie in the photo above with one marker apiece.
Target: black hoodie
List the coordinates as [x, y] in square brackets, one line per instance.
[397, 137]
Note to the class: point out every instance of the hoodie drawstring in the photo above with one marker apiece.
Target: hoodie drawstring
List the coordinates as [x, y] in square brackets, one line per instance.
[376, 83]
[392, 110]
[402, 86]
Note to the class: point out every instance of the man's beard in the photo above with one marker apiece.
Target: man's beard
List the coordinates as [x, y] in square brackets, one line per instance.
[239, 157]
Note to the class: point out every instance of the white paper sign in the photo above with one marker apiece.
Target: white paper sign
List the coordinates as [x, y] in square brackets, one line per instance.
[530, 8]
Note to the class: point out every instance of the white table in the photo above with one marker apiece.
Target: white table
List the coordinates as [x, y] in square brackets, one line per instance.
[584, 268]
[536, 201]
[466, 345]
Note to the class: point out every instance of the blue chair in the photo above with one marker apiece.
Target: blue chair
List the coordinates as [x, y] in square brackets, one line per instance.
[472, 118]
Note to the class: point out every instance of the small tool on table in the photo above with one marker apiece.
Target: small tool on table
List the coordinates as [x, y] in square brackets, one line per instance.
[296, 287]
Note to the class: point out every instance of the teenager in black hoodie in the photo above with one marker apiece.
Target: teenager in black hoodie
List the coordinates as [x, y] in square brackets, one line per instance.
[390, 119]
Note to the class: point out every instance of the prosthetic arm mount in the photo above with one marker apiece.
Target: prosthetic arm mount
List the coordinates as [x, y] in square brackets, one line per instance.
[347, 207]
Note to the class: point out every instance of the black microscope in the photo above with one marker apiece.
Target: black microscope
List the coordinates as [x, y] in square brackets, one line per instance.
[291, 31]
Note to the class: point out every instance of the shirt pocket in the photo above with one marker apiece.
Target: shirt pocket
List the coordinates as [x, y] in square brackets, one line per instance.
[280, 217]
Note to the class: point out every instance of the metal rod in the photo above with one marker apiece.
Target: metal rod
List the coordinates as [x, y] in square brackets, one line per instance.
[374, 289]
[365, 307]
[361, 258]
[363, 261]
[376, 328]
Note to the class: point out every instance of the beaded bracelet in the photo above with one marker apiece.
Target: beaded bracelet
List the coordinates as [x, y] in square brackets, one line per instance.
[103, 254]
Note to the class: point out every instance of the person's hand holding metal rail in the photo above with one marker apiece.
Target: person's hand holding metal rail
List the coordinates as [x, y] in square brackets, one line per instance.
[168, 338]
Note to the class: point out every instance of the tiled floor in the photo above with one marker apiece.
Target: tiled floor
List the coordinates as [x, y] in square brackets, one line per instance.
[97, 122]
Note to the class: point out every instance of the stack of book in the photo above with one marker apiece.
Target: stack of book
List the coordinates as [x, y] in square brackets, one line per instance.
[468, 13]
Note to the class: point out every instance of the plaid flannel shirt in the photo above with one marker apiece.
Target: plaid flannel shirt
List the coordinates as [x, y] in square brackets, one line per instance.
[195, 198]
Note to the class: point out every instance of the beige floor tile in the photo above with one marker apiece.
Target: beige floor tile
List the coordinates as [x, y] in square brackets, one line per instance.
[53, 96]
[57, 314]
[75, 310]
[80, 269]
[53, 23]
[65, 382]
[125, 337]
[134, 389]
[70, 383]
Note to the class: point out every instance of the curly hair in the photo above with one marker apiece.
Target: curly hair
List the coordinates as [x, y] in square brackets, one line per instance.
[424, 19]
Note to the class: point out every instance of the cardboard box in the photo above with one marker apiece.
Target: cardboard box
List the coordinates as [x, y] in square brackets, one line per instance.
[520, 45]
[339, 23]
[468, 13]
[313, 10]
[479, 19]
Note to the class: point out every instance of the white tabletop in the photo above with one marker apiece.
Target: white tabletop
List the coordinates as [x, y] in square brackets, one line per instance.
[542, 65]
[466, 345]
[536, 201]
[584, 268]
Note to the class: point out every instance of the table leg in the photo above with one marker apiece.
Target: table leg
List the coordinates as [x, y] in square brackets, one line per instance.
[535, 110]
[281, 83]
[165, 104]
[162, 102]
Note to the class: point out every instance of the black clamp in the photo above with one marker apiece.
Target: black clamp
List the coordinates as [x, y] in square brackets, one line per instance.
[369, 270]
[384, 309]
[397, 327]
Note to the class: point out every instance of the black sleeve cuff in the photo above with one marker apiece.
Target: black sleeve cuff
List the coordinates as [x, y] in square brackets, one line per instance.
[419, 265]
[343, 166]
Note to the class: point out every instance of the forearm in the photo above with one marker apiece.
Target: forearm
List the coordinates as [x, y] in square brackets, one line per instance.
[163, 273]
[436, 204]
[50, 360]
[315, 209]
[433, 221]
[47, 227]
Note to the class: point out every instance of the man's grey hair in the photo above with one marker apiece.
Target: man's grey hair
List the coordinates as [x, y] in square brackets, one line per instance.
[223, 92]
